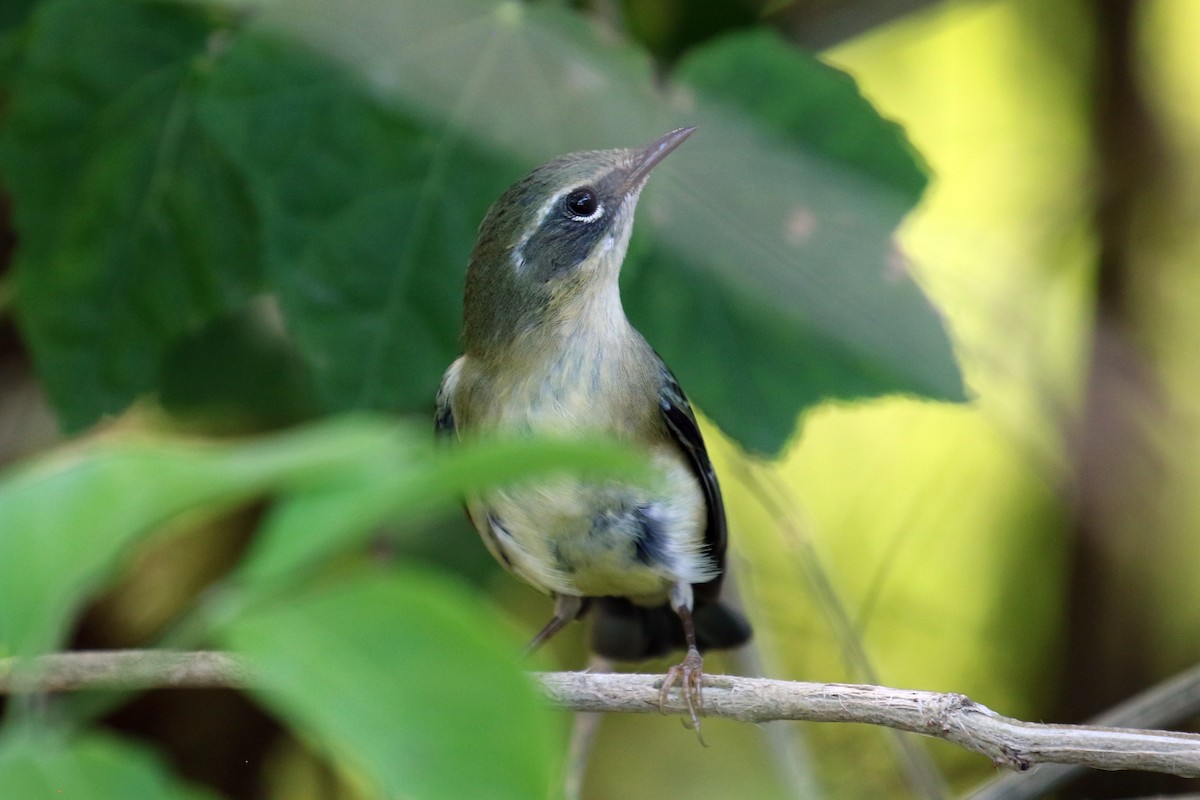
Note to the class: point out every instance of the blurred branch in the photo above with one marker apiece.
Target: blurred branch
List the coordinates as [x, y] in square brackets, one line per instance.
[953, 717]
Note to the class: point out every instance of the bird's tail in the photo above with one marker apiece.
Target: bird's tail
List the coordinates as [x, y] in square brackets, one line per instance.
[624, 631]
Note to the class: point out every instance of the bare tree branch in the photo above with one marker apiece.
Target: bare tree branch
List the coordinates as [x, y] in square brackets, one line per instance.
[953, 717]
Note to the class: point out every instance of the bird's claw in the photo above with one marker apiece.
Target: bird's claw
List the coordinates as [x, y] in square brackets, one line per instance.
[690, 674]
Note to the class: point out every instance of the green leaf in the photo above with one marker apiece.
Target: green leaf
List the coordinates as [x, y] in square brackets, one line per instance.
[307, 528]
[368, 219]
[410, 679]
[132, 226]
[94, 766]
[66, 520]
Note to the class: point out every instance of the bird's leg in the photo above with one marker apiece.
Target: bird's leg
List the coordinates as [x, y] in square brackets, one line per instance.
[688, 672]
[566, 609]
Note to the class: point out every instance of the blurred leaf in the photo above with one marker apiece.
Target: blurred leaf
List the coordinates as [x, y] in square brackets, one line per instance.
[305, 529]
[132, 226]
[409, 678]
[94, 766]
[65, 520]
[368, 219]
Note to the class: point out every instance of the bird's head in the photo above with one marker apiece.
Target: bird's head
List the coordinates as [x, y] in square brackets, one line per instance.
[555, 239]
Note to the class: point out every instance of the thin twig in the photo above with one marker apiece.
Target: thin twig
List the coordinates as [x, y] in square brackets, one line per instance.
[953, 717]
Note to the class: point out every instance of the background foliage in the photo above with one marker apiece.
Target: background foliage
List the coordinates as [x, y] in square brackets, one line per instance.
[239, 218]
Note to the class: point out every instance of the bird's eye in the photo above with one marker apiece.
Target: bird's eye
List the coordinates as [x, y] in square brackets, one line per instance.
[582, 204]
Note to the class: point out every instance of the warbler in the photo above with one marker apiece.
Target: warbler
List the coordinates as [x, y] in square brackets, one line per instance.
[548, 349]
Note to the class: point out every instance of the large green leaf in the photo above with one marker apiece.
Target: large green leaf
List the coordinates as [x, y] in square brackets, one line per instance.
[132, 225]
[239, 371]
[98, 767]
[409, 679]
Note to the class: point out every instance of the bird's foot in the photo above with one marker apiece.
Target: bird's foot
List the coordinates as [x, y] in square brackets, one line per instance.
[689, 673]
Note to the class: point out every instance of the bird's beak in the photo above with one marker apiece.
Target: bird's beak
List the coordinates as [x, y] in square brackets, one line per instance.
[645, 159]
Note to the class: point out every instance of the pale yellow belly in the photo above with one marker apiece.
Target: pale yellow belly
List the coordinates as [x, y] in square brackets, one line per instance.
[575, 537]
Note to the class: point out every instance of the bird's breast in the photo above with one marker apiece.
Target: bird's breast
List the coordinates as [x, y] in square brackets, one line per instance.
[596, 538]
[587, 537]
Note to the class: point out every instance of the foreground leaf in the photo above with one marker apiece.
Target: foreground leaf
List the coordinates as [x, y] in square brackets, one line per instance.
[306, 528]
[410, 679]
[66, 520]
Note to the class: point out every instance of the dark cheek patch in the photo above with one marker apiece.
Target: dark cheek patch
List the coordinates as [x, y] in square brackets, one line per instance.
[562, 243]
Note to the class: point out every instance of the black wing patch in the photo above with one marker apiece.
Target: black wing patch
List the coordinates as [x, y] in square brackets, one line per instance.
[681, 422]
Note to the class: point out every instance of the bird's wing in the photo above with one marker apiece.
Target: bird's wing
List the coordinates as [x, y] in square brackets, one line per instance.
[443, 420]
[681, 423]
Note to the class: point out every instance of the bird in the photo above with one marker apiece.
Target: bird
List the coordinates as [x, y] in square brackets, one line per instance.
[548, 349]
